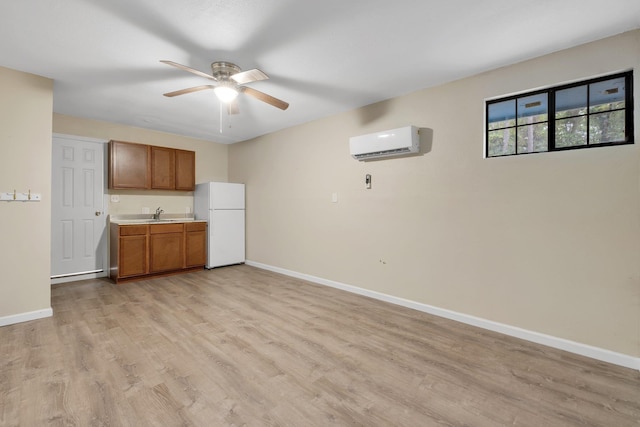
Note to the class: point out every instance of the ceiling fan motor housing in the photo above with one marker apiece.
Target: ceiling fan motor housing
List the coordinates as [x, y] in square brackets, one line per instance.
[224, 70]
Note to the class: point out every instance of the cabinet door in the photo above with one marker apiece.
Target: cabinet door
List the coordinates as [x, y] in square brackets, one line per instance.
[166, 247]
[195, 244]
[128, 165]
[133, 255]
[166, 252]
[163, 168]
[185, 170]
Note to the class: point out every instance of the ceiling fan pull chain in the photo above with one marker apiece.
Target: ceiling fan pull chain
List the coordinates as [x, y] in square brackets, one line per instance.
[220, 116]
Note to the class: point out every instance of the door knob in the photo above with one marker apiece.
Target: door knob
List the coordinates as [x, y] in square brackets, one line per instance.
[98, 213]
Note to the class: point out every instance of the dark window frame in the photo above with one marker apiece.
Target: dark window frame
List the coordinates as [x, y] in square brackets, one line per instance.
[551, 115]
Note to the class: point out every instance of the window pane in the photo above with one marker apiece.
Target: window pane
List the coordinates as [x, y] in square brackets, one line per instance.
[591, 112]
[606, 127]
[501, 142]
[532, 109]
[571, 132]
[533, 138]
[571, 102]
[607, 95]
[502, 114]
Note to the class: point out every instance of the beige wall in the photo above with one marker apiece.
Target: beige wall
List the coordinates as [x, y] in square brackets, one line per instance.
[25, 153]
[546, 242]
[211, 162]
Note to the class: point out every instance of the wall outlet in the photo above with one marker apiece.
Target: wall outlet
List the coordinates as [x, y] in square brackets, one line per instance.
[187, 209]
[115, 198]
[145, 210]
[334, 197]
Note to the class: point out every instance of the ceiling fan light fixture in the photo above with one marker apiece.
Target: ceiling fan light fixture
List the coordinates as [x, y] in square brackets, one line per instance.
[225, 94]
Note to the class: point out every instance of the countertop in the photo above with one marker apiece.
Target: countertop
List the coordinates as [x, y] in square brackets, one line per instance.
[144, 219]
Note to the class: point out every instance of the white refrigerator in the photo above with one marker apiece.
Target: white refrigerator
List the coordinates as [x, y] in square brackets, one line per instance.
[222, 205]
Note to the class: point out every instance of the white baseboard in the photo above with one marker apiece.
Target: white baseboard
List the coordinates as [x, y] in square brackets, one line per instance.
[548, 340]
[25, 317]
[78, 278]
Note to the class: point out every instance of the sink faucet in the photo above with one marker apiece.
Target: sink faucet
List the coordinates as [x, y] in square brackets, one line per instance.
[156, 215]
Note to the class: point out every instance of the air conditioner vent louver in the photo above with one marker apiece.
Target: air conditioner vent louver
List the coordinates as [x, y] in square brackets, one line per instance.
[394, 142]
[389, 153]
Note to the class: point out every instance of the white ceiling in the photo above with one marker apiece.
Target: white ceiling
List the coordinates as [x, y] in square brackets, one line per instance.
[323, 56]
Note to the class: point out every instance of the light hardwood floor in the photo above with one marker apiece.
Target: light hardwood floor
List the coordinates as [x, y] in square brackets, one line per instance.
[241, 346]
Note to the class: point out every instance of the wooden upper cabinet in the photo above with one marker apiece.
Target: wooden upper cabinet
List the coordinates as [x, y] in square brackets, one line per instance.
[163, 168]
[185, 170]
[144, 167]
[129, 166]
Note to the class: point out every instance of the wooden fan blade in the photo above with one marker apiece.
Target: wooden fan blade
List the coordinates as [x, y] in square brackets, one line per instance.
[189, 69]
[265, 98]
[188, 90]
[232, 107]
[249, 76]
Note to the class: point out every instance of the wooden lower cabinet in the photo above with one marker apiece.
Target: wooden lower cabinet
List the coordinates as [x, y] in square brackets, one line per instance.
[195, 241]
[143, 250]
[166, 247]
[133, 256]
[129, 256]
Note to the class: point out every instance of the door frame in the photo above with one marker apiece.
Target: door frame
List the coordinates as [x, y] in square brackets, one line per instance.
[105, 204]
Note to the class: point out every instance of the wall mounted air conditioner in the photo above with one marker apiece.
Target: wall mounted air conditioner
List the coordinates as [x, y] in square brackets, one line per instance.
[389, 143]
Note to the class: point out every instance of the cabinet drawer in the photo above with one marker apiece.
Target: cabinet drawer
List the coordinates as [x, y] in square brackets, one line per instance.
[133, 230]
[195, 226]
[166, 228]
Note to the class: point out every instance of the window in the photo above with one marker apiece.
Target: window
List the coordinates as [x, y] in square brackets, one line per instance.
[591, 113]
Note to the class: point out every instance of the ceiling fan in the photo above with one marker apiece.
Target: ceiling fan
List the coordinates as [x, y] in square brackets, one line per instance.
[229, 80]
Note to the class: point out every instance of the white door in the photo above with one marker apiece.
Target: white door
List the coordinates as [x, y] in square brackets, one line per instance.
[227, 195]
[78, 223]
[226, 238]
